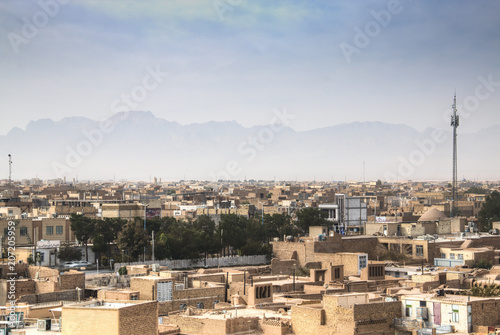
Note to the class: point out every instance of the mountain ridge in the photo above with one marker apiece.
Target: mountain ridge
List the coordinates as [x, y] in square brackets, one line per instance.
[138, 144]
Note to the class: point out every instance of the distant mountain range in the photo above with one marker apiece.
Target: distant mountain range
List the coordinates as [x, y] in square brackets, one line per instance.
[138, 145]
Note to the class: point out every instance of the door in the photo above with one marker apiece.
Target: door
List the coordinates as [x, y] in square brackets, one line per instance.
[437, 313]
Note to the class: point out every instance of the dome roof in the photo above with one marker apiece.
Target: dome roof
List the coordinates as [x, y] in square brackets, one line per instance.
[432, 215]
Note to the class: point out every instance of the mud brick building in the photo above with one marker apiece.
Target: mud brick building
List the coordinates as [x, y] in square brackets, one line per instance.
[172, 297]
[110, 318]
[345, 314]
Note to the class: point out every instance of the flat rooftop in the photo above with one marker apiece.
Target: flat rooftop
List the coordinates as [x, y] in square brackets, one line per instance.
[244, 313]
[104, 304]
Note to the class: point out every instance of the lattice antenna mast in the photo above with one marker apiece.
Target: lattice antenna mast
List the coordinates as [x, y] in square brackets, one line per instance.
[455, 122]
[10, 169]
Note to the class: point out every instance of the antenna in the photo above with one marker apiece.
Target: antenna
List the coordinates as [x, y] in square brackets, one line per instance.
[10, 169]
[363, 172]
[455, 122]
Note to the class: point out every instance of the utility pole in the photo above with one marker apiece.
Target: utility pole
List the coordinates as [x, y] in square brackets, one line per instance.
[153, 238]
[455, 122]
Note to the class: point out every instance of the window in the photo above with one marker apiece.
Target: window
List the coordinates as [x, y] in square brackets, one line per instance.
[408, 310]
[182, 307]
[50, 230]
[454, 313]
[452, 256]
[443, 255]
[5, 232]
[337, 273]
[362, 262]
[460, 256]
[423, 303]
[23, 231]
[200, 305]
[59, 230]
[11, 212]
[420, 250]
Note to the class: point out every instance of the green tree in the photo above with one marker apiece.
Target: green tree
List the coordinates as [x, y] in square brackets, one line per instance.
[133, 238]
[232, 231]
[67, 253]
[310, 216]
[162, 250]
[106, 231]
[489, 212]
[184, 241]
[279, 225]
[83, 227]
[477, 190]
[482, 264]
[206, 227]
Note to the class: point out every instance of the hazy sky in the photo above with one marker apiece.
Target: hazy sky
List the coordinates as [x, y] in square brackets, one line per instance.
[328, 62]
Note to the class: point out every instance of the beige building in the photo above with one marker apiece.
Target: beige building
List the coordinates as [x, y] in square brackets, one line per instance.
[455, 313]
[351, 313]
[110, 318]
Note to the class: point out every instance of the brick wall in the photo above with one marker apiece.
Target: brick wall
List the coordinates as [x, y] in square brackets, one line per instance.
[43, 273]
[21, 269]
[146, 287]
[217, 291]
[46, 286]
[71, 280]
[239, 325]
[89, 321]
[284, 267]
[116, 295]
[308, 320]
[141, 270]
[24, 287]
[141, 319]
[486, 313]
[70, 295]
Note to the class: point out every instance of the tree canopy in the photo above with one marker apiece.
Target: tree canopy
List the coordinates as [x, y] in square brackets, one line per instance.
[311, 216]
[490, 211]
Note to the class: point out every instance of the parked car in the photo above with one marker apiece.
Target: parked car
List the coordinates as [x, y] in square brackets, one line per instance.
[76, 264]
[72, 264]
[84, 263]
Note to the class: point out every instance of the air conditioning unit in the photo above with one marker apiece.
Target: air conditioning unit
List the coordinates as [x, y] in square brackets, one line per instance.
[43, 324]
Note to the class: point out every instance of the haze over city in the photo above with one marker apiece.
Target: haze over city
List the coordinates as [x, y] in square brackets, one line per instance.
[326, 64]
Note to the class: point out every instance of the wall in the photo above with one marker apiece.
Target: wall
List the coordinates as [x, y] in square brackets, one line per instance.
[89, 321]
[140, 319]
[116, 295]
[284, 266]
[260, 293]
[210, 262]
[307, 319]
[69, 295]
[198, 325]
[72, 279]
